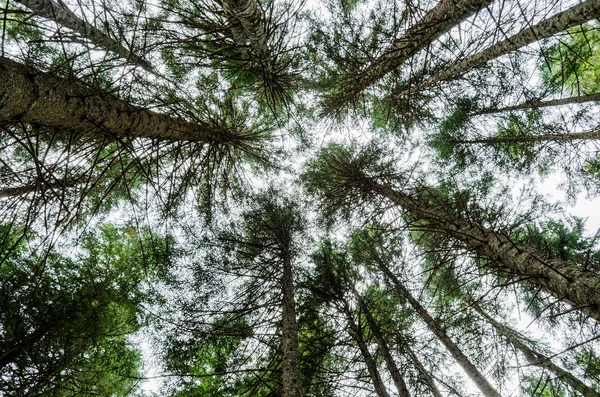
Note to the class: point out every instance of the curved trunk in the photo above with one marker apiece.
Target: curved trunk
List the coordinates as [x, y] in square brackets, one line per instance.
[439, 20]
[290, 373]
[537, 359]
[383, 348]
[427, 379]
[575, 136]
[477, 377]
[542, 104]
[56, 11]
[357, 335]
[41, 98]
[564, 280]
[574, 16]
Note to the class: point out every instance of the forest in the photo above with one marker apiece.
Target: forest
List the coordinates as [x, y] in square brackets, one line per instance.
[299, 198]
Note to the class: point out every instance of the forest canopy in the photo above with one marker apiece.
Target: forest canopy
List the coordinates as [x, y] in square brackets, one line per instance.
[299, 198]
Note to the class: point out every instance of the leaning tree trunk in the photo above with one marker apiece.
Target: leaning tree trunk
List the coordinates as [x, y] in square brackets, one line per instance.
[477, 377]
[577, 15]
[383, 348]
[537, 359]
[357, 335]
[250, 16]
[424, 374]
[439, 20]
[541, 104]
[43, 185]
[575, 136]
[290, 373]
[563, 280]
[41, 98]
[58, 12]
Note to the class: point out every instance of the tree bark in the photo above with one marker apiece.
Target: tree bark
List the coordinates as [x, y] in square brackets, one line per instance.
[290, 372]
[541, 104]
[383, 348]
[58, 12]
[428, 380]
[477, 377]
[357, 335]
[563, 280]
[574, 16]
[250, 16]
[439, 20]
[41, 98]
[534, 358]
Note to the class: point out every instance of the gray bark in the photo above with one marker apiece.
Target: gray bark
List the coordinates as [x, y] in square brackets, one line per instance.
[425, 376]
[439, 20]
[461, 359]
[574, 16]
[384, 349]
[290, 373]
[57, 12]
[357, 335]
[542, 104]
[537, 359]
[563, 280]
[250, 16]
[41, 98]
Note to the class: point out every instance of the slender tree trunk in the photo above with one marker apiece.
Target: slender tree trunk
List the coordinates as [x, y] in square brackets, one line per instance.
[290, 372]
[56, 11]
[41, 98]
[534, 358]
[439, 20]
[577, 15]
[563, 280]
[44, 185]
[542, 104]
[575, 136]
[250, 16]
[357, 335]
[477, 377]
[427, 379]
[383, 348]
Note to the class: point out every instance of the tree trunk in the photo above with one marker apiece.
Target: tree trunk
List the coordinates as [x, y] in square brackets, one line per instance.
[41, 98]
[56, 11]
[563, 280]
[44, 185]
[356, 333]
[575, 136]
[290, 372]
[383, 348]
[250, 16]
[427, 379]
[477, 377]
[534, 358]
[577, 15]
[439, 20]
[541, 104]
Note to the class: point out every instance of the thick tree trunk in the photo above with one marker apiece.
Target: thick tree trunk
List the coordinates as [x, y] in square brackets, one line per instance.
[439, 20]
[57, 12]
[383, 348]
[250, 16]
[425, 376]
[537, 359]
[577, 15]
[575, 136]
[357, 335]
[290, 372]
[41, 98]
[563, 280]
[542, 104]
[477, 377]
